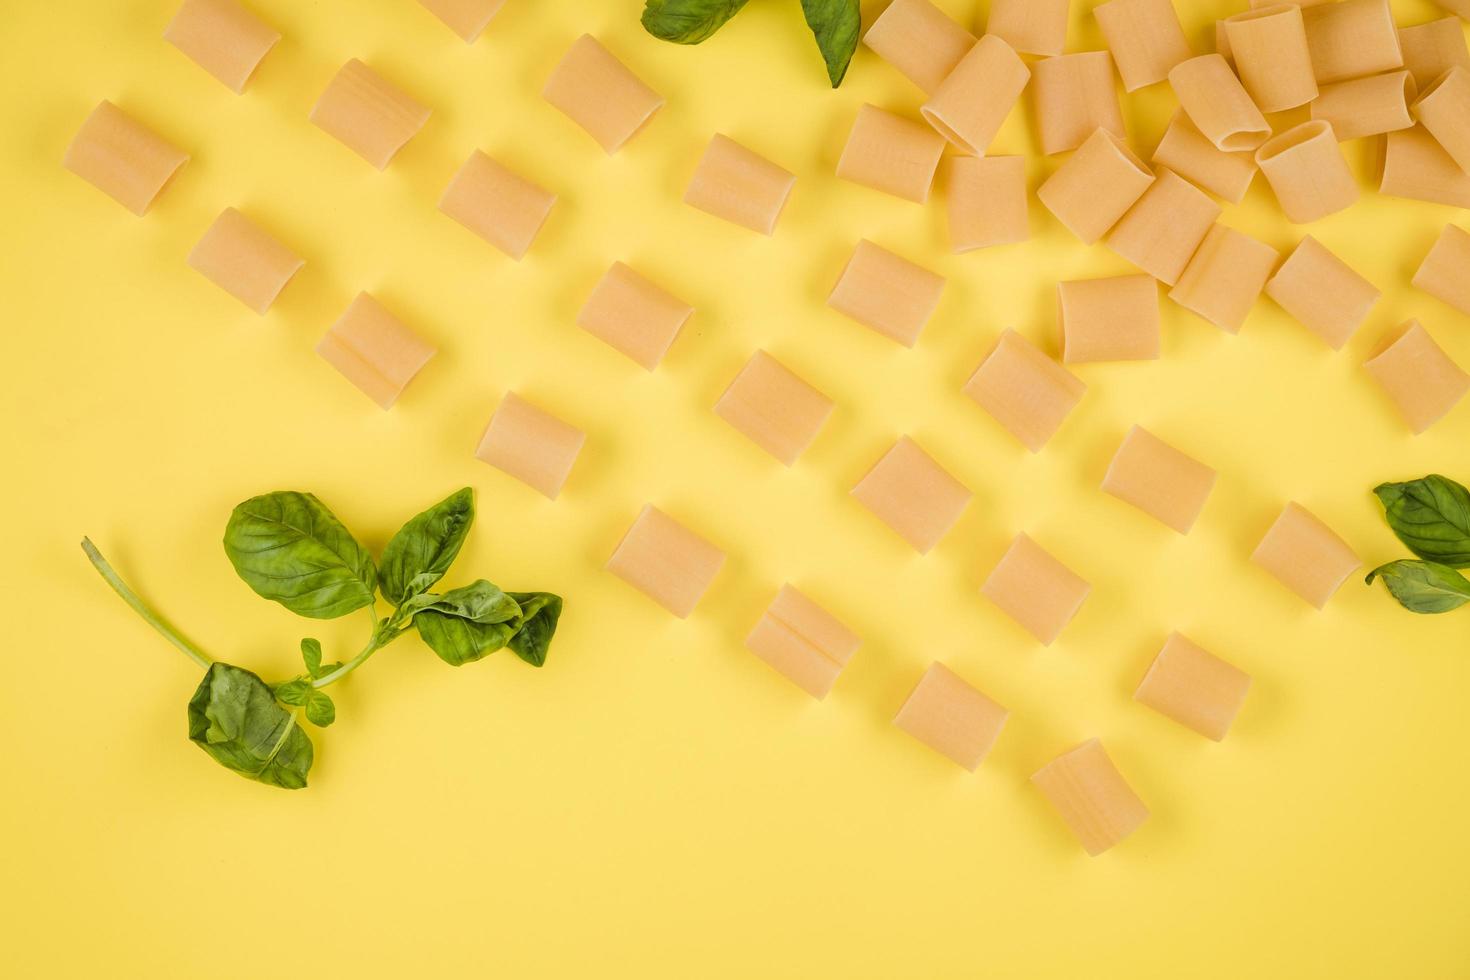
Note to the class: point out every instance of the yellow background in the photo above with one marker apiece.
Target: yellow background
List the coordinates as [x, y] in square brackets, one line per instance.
[656, 802]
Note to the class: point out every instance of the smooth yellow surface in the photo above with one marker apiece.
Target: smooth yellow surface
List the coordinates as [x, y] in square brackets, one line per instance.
[656, 802]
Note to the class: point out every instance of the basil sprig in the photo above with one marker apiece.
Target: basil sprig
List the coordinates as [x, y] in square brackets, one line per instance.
[834, 23]
[1431, 516]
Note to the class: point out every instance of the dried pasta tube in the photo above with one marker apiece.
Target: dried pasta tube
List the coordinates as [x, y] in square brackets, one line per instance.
[891, 154]
[1306, 169]
[920, 40]
[1091, 796]
[1194, 687]
[915, 496]
[970, 106]
[1269, 45]
[1367, 106]
[1160, 233]
[1434, 48]
[1225, 276]
[467, 18]
[739, 185]
[1159, 480]
[1076, 95]
[1145, 37]
[370, 116]
[1461, 7]
[1186, 151]
[1445, 271]
[600, 94]
[1035, 589]
[952, 717]
[887, 293]
[803, 641]
[1322, 292]
[1351, 38]
[1222, 43]
[1418, 377]
[1306, 555]
[1444, 109]
[774, 407]
[244, 260]
[223, 38]
[1096, 186]
[374, 350]
[1114, 319]
[1027, 392]
[122, 158]
[988, 203]
[634, 316]
[531, 444]
[498, 204]
[1218, 104]
[666, 561]
[1030, 26]
[1417, 167]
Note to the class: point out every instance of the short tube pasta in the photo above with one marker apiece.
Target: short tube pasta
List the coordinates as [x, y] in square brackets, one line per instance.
[887, 293]
[1145, 37]
[1030, 26]
[1417, 167]
[1269, 45]
[1114, 319]
[529, 443]
[244, 260]
[1444, 109]
[1218, 104]
[891, 154]
[497, 204]
[1445, 271]
[920, 40]
[1418, 377]
[1322, 292]
[122, 158]
[1351, 38]
[1160, 233]
[1306, 169]
[597, 92]
[1096, 186]
[1434, 48]
[739, 185]
[1227, 273]
[467, 18]
[374, 350]
[1367, 106]
[1075, 95]
[223, 38]
[988, 203]
[1186, 151]
[370, 115]
[970, 105]
[1024, 390]
[1091, 796]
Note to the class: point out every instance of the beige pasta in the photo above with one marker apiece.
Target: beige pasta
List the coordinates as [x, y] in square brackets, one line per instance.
[892, 154]
[739, 185]
[1145, 37]
[498, 204]
[1461, 7]
[223, 38]
[1322, 293]
[634, 316]
[1076, 95]
[1306, 555]
[988, 203]
[1115, 319]
[1218, 104]
[1434, 48]
[1186, 151]
[1095, 186]
[1028, 393]
[244, 260]
[1160, 233]
[1418, 377]
[1222, 43]
[122, 158]
[920, 40]
[600, 94]
[1269, 47]
[911, 493]
[1417, 167]
[368, 114]
[803, 641]
[1225, 276]
[531, 445]
[1030, 26]
[467, 18]
[1367, 106]
[970, 106]
[887, 292]
[1352, 38]
[666, 561]
[1164, 483]
[1031, 587]
[1445, 271]
[952, 717]
[1194, 687]
[374, 350]
[1306, 169]
[1091, 796]
[1444, 109]
[773, 407]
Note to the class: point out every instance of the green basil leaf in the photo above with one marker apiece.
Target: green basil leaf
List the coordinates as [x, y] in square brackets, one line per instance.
[311, 655]
[1423, 586]
[320, 710]
[1431, 516]
[294, 693]
[422, 551]
[687, 21]
[459, 641]
[835, 24]
[539, 613]
[480, 602]
[234, 717]
[328, 668]
[288, 547]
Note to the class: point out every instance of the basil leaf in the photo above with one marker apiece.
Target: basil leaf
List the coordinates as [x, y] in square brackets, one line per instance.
[835, 24]
[480, 602]
[311, 655]
[687, 21]
[422, 551]
[539, 613]
[320, 710]
[235, 718]
[1423, 586]
[1431, 516]
[459, 641]
[294, 693]
[288, 547]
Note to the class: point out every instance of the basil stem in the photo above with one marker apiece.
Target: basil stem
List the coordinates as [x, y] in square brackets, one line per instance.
[150, 617]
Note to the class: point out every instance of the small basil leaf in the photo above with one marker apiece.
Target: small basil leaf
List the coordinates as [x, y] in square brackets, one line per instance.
[422, 551]
[289, 547]
[687, 21]
[320, 710]
[234, 717]
[1423, 586]
[480, 601]
[1431, 516]
[539, 613]
[835, 24]
[311, 655]
[294, 693]
[328, 668]
[459, 641]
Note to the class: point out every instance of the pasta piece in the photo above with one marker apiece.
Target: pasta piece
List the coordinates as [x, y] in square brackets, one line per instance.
[1186, 151]
[1194, 687]
[1305, 555]
[1445, 271]
[1322, 293]
[1160, 233]
[988, 203]
[1417, 167]
[1159, 480]
[1145, 37]
[913, 495]
[467, 18]
[891, 154]
[600, 94]
[374, 350]
[1269, 46]
[803, 641]
[1027, 392]
[1352, 38]
[666, 561]
[1075, 95]
[1306, 169]
[740, 186]
[531, 445]
[920, 40]
[970, 105]
[244, 260]
[1096, 186]
[1444, 109]
[1218, 104]
[1031, 587]
[1225, 276]
[368, 114]
[952, 717]
[1222, 43]
[886, 292]
[634, 316]
[122, 158]
[1114, 319]
[774, 408]
[1461, 7]
[498, 204]
[223, 38]
[1419, 377]
[1434, 48]
[1030, 26]
[1091, 796]
[1367, 106]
